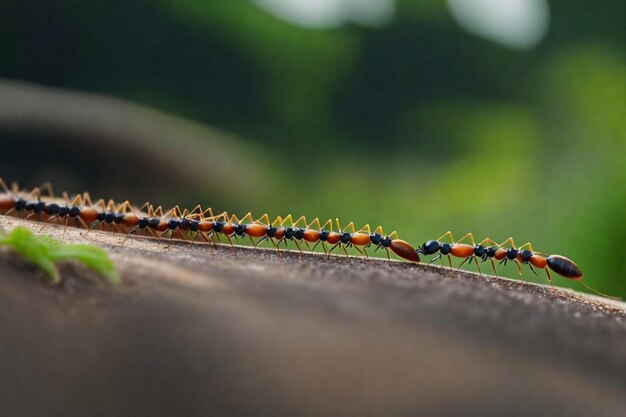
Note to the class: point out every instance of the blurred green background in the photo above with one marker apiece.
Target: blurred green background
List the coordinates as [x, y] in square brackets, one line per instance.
[500, 118]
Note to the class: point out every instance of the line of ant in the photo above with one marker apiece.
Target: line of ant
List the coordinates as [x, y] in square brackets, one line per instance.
[204, 223]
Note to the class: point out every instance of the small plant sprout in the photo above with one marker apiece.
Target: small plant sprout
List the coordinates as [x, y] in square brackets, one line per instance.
[45, 251]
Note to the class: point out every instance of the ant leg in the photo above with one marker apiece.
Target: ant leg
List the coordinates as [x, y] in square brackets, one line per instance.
[196, 210]
[265, 217]
[286, 219]
[465, 260]
[206, 239]
[276, 246]
[449, 234]
[171, 239]
[315, 221]
[488, 240]
[598, 292]
[43, 226]
[493, 264]
[247, 216]
[195, 236]
[87, 199]
[96, 223]
[117, 229]
[323, 247]
[201, 234]
[329, 224]
[15, 189]
[469, 235]
[133, 230]
[436, 258]
[357, 248]
[303, 220]
[349, 225]
[550, 279]
[510, 241]
[366, 229]
[478, 265]
[67, 220]
[80, 223]
[519, 268]
[530, 246]
[48, 188]
[4, 187]
[178, 234]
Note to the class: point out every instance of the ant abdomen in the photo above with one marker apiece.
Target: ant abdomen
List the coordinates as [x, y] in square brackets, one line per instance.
[564, 267]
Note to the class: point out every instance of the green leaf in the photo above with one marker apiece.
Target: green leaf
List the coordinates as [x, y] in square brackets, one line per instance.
[23, 242]
[93, 257]
[44, 251]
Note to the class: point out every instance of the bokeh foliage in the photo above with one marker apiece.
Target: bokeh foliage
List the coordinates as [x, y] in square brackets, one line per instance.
[415, 125]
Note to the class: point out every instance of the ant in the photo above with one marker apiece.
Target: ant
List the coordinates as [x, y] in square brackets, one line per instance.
[398, 246]
[353, 239]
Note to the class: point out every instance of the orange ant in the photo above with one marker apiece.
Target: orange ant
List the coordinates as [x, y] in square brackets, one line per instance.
[398, 246]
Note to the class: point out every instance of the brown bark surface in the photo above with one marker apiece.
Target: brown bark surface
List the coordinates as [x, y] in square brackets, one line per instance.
[244, 332]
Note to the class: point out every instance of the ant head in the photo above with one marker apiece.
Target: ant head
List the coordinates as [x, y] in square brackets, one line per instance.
[299, 233]
[479, 250]
[446, 248]
[376, 238]
[240, 229]
[271, 231]
[143, 222]
[75, 211]
[51, 208]
[324, 235]
[39, 205]
[511, 253]
[525, 255]
[172, 224]
[20, 204]
[218, 226]
[289, 232]
[193, 225]
[490, 251]
[345, 238]
[429, 248]
[385, 242]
